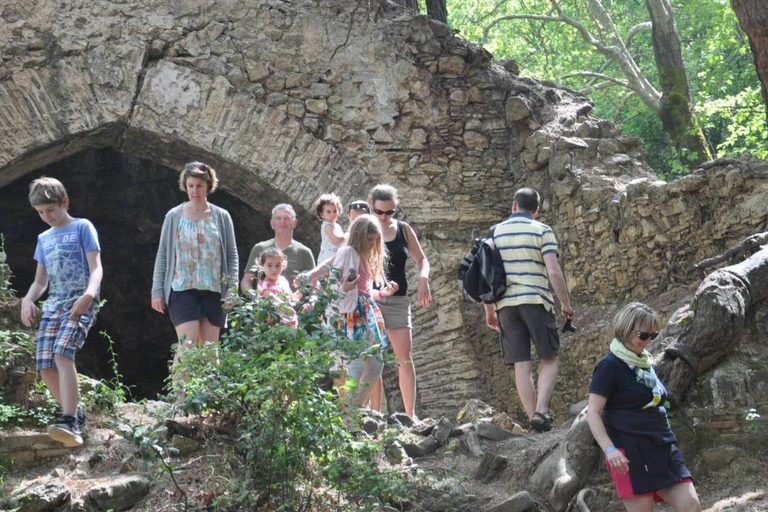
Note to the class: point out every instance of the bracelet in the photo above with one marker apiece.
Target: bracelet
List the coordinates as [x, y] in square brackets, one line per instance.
[609, 450]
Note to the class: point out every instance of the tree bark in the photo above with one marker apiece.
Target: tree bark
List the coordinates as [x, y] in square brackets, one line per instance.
[753, 18]
[437, 10]
[560, 470]
[707, 331]
[676, 108]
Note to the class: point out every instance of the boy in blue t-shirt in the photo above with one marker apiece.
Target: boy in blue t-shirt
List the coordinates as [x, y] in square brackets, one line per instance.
[69, 266]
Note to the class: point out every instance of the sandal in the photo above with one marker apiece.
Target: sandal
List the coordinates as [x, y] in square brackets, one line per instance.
[541, 423]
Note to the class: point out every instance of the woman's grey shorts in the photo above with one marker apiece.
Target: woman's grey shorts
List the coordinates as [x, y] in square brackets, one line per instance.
[396, 311]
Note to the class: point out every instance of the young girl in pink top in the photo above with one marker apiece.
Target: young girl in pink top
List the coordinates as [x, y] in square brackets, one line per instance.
[275, 286]
[364, 255]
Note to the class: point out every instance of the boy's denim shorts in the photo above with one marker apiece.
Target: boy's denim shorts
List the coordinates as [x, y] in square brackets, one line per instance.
[61, 334]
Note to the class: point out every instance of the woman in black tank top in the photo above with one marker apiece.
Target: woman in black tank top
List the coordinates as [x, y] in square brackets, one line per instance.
[401, 242]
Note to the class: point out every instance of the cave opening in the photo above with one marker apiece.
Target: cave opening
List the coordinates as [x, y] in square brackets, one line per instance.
[126, 198]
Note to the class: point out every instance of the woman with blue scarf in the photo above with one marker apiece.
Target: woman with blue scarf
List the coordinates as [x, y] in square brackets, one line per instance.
[629, 421]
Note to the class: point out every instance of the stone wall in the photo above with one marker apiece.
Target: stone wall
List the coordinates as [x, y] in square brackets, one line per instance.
[291, 99]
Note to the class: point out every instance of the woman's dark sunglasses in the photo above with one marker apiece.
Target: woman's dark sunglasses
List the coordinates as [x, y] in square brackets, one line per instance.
[388, 213]
[196, 165]
[645, 335]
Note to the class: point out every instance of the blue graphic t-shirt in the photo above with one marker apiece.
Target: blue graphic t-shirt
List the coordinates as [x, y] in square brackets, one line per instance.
[62, 252]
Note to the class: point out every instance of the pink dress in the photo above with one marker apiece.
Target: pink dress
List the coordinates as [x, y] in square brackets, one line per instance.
[279, 292]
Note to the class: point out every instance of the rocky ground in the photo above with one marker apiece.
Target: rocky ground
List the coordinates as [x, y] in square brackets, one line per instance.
[473, 464]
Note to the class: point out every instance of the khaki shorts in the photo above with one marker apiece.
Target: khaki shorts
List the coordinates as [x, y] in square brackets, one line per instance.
[396, 311]
[519, 325]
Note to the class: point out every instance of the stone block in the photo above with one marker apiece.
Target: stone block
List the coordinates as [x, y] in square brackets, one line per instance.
[494, 433]
[491, 465]
[443, 431]
[332, 132]
[120, 493]
[474, 410]
[520, 502]
[183, 446]
[257, 71]
[451, 65]
[317, 106]
[421, 448]
[517, 109]
[475, 140]
[459, 97]
[17, 441]
[48, 495]
[571, 143]
[718, 458]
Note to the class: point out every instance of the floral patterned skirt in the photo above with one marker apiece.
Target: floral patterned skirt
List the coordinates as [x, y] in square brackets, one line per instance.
[366, 323]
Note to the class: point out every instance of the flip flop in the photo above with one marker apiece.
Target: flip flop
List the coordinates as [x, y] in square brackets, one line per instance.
[541, 423]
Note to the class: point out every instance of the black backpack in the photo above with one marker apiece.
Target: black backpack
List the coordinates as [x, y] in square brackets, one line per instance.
[481, 274]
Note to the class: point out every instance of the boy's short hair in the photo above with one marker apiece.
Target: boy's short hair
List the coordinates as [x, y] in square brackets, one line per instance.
[326, 199]
[527, 199]
[284, 206]
[272, 252]
[46, 190]
[383, 193]
[200, 171]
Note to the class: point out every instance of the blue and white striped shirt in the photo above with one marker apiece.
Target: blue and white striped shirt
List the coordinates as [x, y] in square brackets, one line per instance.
[523, 242]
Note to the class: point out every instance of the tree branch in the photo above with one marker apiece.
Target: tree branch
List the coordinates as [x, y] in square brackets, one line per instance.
[735, 254]
[602, 76]
[537, 17]
[640, 27]
[616, 50]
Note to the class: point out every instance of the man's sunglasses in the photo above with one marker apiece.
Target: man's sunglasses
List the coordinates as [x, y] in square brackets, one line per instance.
[363, 207]
[388, 213]
[645, 335]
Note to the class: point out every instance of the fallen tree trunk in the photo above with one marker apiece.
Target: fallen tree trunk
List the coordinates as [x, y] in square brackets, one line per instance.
[705, 332]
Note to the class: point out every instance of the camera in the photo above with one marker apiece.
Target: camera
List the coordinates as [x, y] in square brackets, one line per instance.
[352, 275]
[568, 327]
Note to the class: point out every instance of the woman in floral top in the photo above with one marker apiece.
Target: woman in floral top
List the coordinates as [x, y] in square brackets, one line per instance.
[196, 263]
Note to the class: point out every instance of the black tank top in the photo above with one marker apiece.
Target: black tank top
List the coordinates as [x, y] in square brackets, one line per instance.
[398, 254]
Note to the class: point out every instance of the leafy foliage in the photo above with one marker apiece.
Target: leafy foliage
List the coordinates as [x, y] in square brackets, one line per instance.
[107, 394]
[722, 78]
[6, 292]
[271, 382]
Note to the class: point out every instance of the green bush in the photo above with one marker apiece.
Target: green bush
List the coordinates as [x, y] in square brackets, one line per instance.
[293, 437]
[6, 292]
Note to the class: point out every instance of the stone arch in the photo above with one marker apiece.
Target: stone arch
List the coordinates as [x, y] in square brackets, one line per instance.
[120, 95]
[289, 100]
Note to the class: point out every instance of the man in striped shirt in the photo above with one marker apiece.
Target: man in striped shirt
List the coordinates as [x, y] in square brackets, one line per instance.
[526, 312]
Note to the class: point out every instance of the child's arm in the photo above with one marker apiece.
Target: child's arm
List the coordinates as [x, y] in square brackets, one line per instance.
[335, 233]
[29, 311]
[82, 304]
[321, 270]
